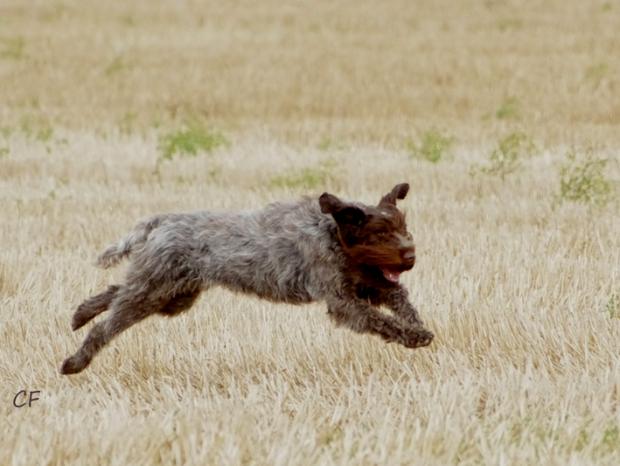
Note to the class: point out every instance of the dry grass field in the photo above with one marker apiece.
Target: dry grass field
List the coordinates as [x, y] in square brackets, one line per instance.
[478, 105]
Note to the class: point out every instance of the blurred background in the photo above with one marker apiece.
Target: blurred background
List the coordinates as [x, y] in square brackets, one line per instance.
[316, 71]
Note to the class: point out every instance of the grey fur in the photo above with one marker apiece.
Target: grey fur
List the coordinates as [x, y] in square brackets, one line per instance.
[286, 252]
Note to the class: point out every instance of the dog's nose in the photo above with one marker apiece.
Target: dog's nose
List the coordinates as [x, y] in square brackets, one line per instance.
[409, 255]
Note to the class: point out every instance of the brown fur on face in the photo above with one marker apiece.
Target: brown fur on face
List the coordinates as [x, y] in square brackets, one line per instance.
[375, 239]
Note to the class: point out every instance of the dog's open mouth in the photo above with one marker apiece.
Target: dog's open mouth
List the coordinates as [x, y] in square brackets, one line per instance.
[391, 275]
[392, 272]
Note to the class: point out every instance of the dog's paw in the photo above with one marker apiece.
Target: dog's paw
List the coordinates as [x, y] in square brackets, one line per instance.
[417, 337]
[72, 365]
[77, 321]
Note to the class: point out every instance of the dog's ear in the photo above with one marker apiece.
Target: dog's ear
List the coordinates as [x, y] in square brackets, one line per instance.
[343, 213]
[398, 192]
[350, 215]
[329, 203]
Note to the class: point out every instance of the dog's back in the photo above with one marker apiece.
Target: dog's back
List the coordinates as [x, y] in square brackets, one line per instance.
[284, 252]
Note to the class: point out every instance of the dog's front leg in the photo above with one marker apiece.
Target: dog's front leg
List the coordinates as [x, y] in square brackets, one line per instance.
[397, 300]
[361, 317]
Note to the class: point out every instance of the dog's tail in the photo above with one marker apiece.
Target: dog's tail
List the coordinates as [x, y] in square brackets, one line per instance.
[119, 251]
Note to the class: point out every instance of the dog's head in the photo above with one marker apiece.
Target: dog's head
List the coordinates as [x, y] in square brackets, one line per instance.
[374, 236]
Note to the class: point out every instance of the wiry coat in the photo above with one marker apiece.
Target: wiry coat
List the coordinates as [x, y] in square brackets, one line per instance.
[287, 252]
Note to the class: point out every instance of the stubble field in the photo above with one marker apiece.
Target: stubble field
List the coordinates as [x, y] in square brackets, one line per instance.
[479, 106]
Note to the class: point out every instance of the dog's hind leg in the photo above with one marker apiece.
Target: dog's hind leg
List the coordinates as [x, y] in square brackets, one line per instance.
[127, 308]
[180, 303]
[93, 306]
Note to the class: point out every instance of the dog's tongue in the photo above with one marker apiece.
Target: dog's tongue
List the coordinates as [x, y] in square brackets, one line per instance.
[390, 275]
